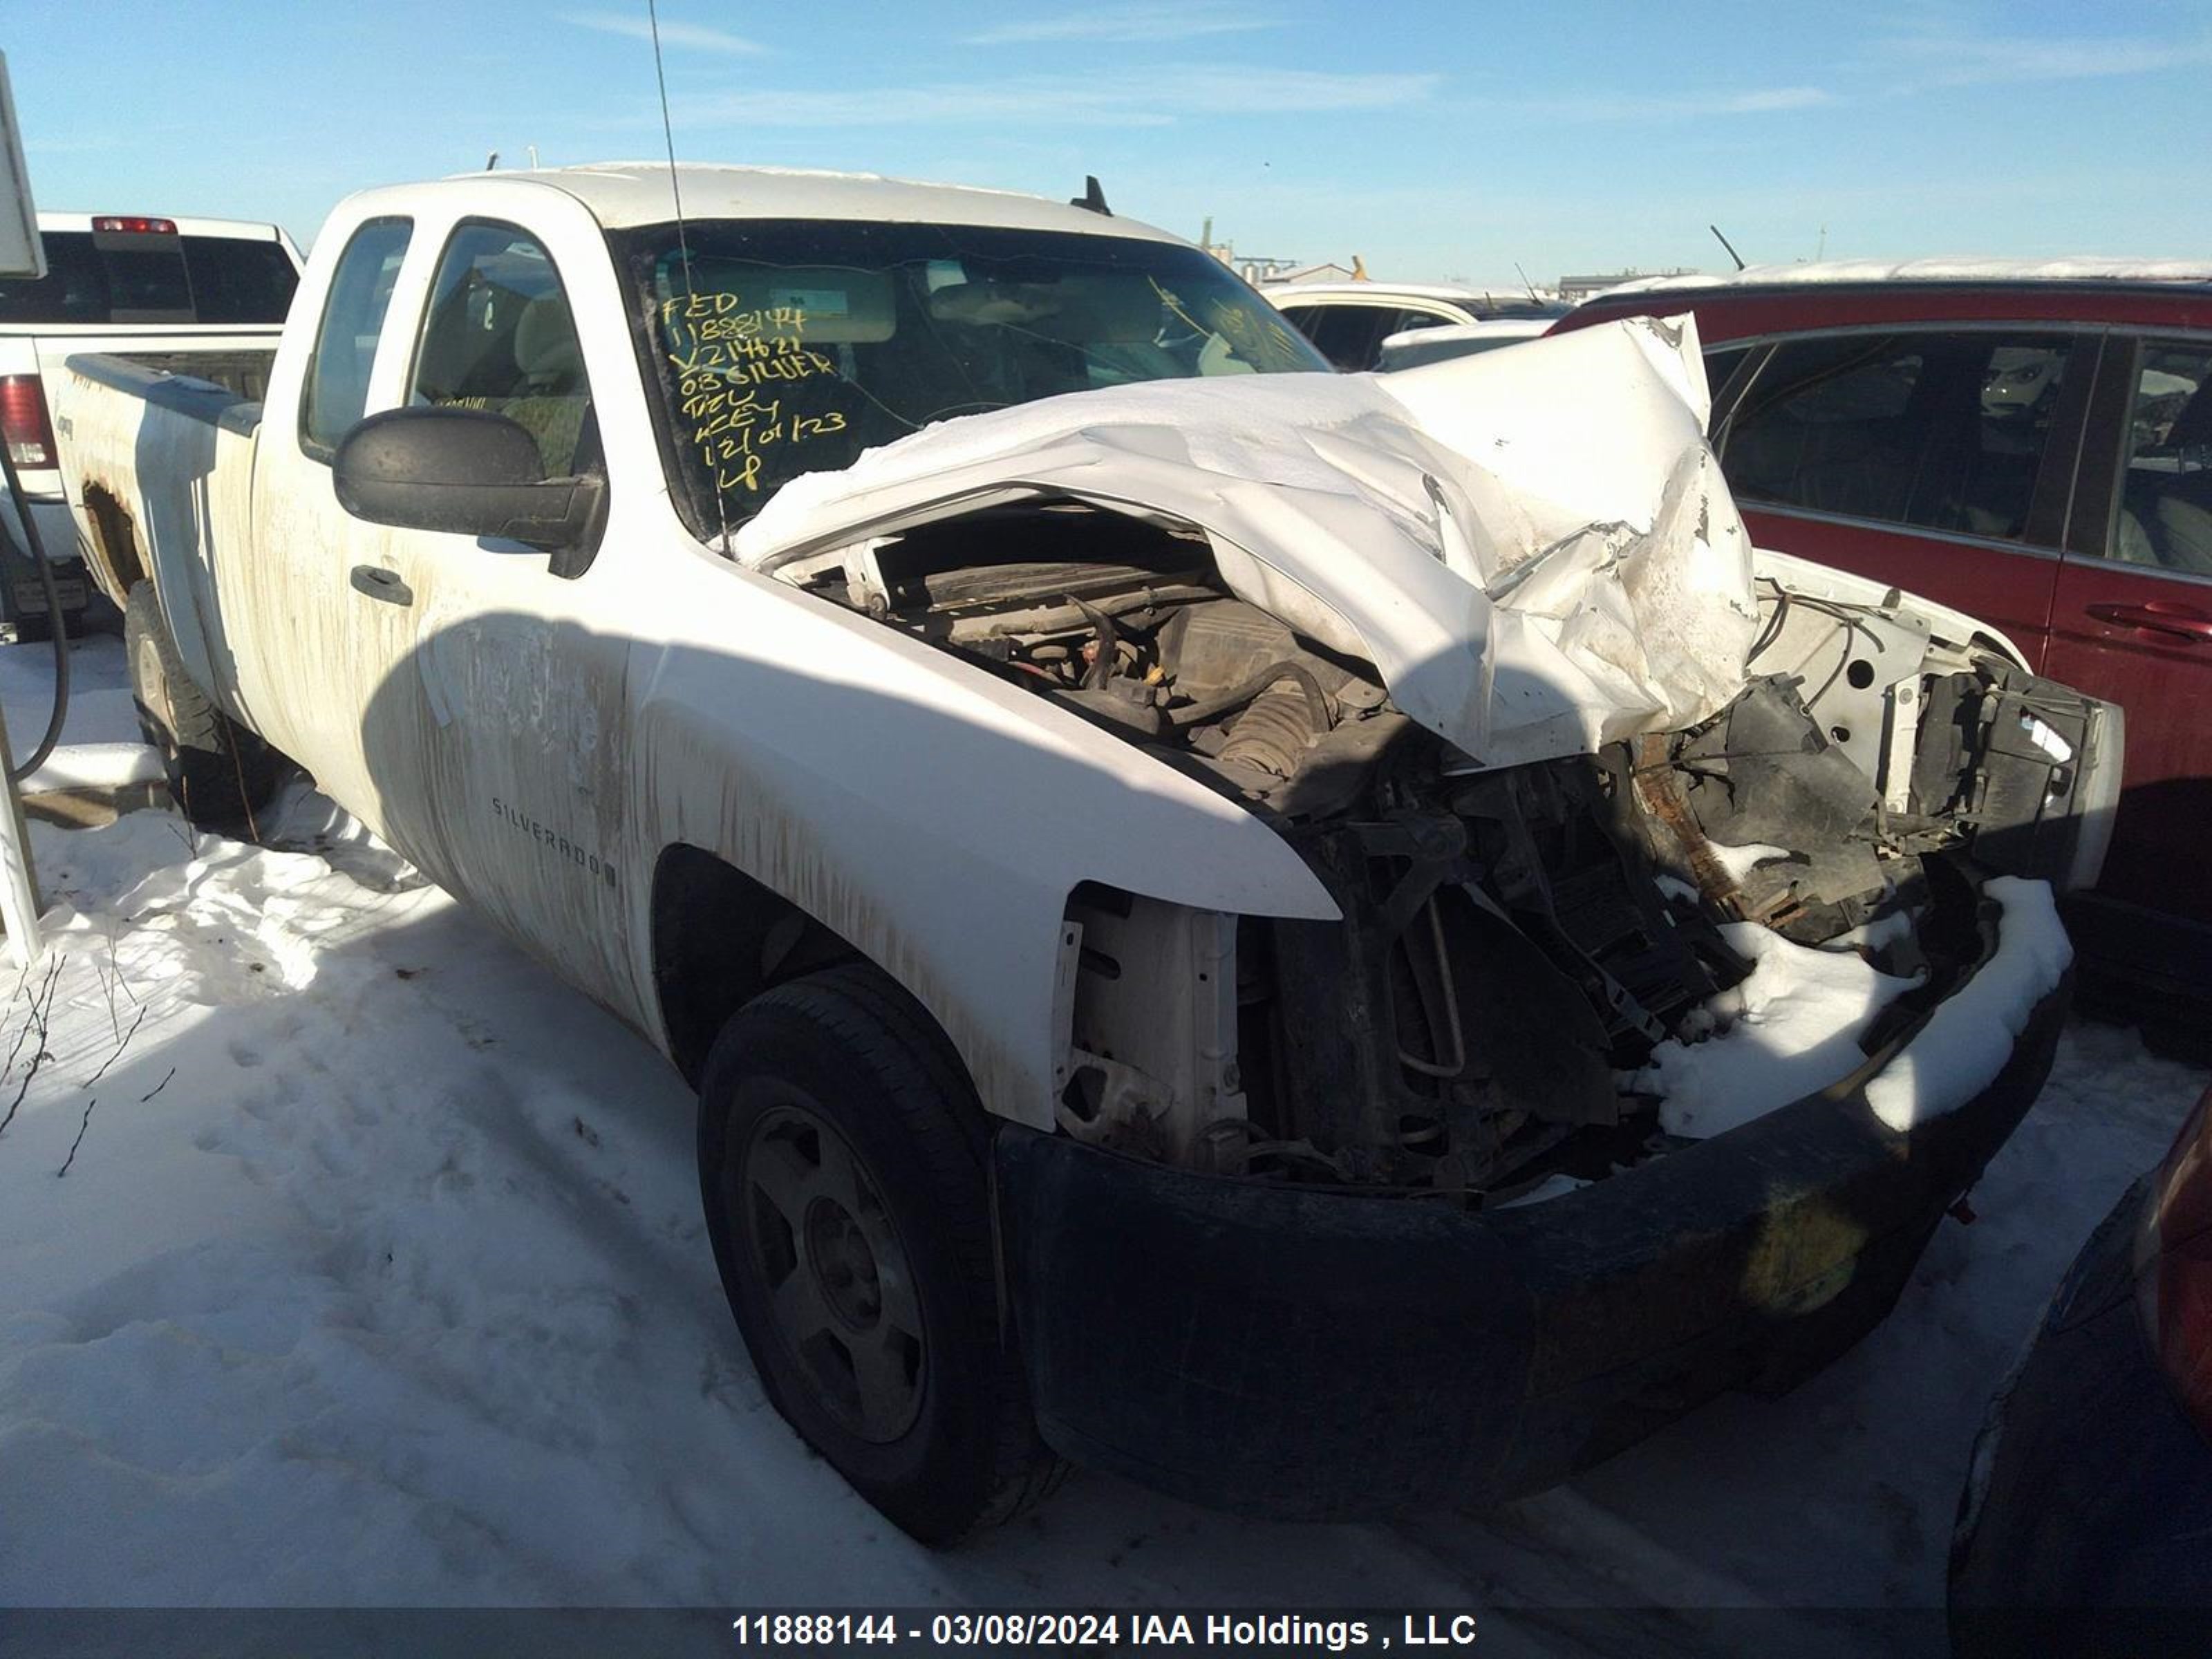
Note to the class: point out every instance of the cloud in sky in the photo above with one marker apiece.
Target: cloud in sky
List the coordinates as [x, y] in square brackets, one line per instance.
[1941, 59]
[1773, 98]
[1128, 23]
[1152, 98]
[1767, 100]
[690, 37]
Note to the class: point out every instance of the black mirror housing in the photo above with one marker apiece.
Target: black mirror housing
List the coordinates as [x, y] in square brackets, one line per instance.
[465, 472]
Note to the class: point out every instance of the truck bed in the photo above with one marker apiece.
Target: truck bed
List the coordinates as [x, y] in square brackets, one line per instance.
[236, 359]
[157, 466]
[244, 371]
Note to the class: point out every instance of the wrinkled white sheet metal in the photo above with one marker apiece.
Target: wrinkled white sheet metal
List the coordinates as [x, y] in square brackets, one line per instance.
[1534, 548]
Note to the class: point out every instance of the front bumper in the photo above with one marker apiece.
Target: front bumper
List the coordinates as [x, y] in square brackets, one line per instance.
[2091, 1493]
[1316, 1355]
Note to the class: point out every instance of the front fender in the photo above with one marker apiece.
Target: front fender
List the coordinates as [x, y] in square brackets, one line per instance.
[934, 816]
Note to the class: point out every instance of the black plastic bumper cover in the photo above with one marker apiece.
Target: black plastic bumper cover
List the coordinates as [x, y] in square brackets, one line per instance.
[1313, 1355]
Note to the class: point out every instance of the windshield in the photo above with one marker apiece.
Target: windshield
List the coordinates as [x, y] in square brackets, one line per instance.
[792, 345]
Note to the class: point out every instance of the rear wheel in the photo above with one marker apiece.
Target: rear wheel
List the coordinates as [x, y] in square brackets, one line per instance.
[220, 774]
[842, 1160]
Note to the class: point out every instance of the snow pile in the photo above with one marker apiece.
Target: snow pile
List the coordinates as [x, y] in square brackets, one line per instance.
[1965, 1043]
[94, 766]
[1792, 1027]
[1788, 1031]
[377, 1274]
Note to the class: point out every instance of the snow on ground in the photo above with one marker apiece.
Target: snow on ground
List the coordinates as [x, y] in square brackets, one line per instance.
[377, 1277]
[100, 734]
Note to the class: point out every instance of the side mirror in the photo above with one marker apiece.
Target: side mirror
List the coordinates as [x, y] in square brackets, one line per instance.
[465, 471]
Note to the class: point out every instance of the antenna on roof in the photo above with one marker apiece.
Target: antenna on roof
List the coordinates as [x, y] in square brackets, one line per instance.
[491, 160]
[675, 195]
[1525, 283]
[1093, 199]
[1729, 245]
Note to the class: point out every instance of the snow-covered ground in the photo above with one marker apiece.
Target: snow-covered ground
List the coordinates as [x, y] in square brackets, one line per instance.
[100, 743]
[377, 1276]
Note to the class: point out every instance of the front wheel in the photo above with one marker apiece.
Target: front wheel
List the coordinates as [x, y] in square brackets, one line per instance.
[841, 1159]
[220, 774]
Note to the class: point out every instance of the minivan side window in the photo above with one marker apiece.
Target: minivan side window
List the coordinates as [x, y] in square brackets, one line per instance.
[1938, 431]
[498, 336]
[337, 391]
[2163, 518]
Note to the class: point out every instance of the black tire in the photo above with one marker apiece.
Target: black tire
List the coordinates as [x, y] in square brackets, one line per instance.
[220, 774]
[844, 1059]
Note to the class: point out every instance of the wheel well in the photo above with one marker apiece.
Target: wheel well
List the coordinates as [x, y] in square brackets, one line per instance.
[114, 555]
[720, 938]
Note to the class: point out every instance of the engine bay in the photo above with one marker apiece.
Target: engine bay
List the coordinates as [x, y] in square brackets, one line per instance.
[1516, 941]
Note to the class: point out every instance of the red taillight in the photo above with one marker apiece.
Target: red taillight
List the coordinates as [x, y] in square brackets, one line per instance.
[130, 223]
[2176, 1263]
[24, 426]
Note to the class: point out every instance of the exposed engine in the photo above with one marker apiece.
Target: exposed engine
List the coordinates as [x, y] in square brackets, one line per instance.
[1516, 941]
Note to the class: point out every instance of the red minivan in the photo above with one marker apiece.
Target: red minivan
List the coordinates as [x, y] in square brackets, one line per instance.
[2030, 444]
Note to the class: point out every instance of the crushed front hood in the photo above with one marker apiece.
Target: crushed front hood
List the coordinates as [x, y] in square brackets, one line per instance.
[1534, 547]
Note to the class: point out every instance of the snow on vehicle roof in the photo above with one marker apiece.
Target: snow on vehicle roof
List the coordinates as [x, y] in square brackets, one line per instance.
[624, 193]
[1278, 292]
[1489, 328]
[1947, 269]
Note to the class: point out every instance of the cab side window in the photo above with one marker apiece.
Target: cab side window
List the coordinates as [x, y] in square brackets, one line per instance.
[499, 336]
[2164, 515]
[336, 390]
[1938, 431]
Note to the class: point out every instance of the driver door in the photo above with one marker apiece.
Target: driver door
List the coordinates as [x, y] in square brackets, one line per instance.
[493, 709]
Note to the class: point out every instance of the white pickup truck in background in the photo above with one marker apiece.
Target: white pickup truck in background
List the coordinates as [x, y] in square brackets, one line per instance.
[1200, 894]
[204, 297]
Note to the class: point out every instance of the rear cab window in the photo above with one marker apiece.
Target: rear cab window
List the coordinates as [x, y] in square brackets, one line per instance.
[95, 277]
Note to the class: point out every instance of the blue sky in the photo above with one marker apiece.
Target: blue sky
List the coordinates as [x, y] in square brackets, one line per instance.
[1437, 139]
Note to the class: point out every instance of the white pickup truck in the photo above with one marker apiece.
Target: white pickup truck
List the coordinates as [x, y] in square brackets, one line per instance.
[201, 296]
[1334, 946]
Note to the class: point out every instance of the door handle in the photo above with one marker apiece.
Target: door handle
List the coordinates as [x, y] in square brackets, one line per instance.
[381, 584]
[2159, 614]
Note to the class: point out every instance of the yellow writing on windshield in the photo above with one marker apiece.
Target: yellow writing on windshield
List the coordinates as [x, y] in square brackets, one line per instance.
[729, 360]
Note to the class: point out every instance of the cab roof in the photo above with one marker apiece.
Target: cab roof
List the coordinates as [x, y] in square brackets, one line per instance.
[624, 193]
